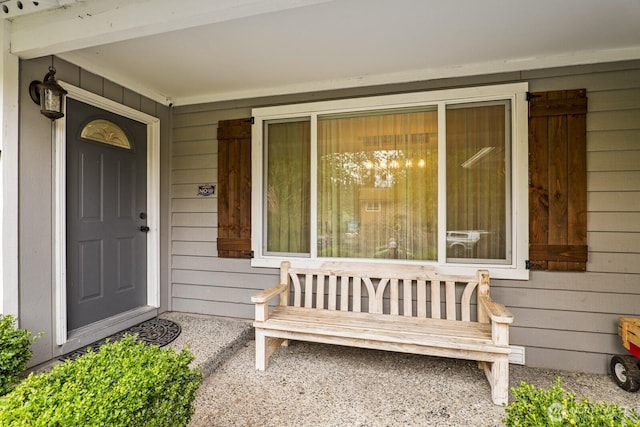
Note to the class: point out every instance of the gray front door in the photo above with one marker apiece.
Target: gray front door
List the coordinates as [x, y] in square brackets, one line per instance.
[106, 176]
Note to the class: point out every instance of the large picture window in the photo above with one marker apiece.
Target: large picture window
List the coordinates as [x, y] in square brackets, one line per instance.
[425, 177]
[387, 159]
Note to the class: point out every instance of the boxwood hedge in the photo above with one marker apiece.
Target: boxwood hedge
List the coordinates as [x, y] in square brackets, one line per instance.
[535, 407]
[125, 383]
[15, 352]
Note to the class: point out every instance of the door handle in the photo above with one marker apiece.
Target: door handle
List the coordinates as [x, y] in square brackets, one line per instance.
[144, 228]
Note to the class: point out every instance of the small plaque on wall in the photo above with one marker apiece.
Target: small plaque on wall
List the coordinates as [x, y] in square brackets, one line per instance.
[207, 190]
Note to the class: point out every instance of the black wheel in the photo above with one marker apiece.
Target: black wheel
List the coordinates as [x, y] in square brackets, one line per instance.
[626, 372]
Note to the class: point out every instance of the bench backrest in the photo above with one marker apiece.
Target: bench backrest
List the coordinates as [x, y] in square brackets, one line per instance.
[394, 289]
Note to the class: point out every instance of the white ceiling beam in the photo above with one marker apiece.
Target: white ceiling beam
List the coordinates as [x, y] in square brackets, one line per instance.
[96, 22]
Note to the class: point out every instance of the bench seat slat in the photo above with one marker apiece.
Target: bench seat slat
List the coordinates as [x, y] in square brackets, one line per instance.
[411, 329]
[374, 320]
[346, 327]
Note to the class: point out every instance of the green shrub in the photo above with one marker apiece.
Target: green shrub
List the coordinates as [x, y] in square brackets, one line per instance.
[126, 383]
[15, 352]
[556, 407]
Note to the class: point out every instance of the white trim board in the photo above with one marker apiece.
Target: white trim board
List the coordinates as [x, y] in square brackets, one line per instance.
[9, 100]
[153, 205]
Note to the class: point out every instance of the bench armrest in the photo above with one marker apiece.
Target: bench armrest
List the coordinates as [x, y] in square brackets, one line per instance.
[496, 311]
[265, 295]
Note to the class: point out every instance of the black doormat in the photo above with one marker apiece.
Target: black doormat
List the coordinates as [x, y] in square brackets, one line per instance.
[156, 331]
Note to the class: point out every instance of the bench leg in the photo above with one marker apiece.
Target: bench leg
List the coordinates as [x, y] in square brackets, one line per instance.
[265, 347]
[262, 357]
[498, 376]
[500, 382]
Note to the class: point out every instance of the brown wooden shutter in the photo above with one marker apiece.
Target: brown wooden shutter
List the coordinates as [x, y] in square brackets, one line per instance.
[234, 188]
[558, 180]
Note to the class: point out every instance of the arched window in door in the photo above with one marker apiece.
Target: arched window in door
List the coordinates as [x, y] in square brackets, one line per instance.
[106, 132]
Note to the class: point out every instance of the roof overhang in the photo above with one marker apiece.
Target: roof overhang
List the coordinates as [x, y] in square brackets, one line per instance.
[196, 51]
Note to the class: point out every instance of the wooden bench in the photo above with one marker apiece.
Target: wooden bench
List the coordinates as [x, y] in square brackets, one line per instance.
[404, 308]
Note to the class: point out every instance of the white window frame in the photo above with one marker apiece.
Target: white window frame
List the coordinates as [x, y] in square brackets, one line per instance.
[515, 92]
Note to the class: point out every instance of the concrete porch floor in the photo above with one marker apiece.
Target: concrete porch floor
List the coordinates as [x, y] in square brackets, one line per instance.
[318, 385]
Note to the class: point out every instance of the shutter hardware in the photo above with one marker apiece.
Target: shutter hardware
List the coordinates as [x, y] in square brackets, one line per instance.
[530, 96]
[528, 264]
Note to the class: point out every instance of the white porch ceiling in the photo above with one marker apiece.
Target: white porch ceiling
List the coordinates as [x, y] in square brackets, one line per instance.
[192, 51]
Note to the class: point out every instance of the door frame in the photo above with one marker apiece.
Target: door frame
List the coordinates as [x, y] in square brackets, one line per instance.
[60, 216]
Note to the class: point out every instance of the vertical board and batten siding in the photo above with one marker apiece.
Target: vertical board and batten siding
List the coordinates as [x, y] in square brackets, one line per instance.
[565, 320]
[202, 282]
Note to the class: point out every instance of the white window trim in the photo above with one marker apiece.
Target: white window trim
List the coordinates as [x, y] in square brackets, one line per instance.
[516, 92]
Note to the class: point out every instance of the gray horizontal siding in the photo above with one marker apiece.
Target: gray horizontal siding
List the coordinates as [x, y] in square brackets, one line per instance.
[610, 262]
[218, 308]
[576, 301]
[613, 242]
[613, 120]
[577, 361]
[614, 221]
[194, 234]
[223, 279]
[623, 201]
[579, 342]
[619, 160]
[613, 140]
[613, 180]
[557, 320]
[203, 204]
[613, 100]
[197, 219]
[194, 176]
[214, 293]
[613, 164]
[213, 263]
[193, 248]
[569, 320]
[565, 320]
[195, 161]
[198, 147]
[200, 281]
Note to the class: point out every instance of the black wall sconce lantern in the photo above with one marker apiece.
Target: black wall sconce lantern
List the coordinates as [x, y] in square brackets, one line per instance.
[48, 94]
